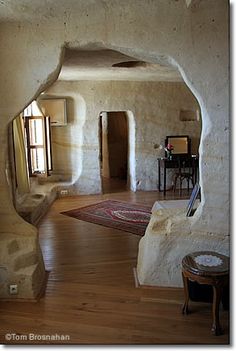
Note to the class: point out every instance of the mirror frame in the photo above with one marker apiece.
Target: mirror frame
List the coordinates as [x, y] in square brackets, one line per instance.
[179, 136]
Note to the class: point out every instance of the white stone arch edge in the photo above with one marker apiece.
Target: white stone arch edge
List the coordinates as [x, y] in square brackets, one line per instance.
[131, 151]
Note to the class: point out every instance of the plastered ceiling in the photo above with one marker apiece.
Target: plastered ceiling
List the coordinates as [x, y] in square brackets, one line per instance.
[112, 65]
[36, 10]
[84, 64]
[31, 10]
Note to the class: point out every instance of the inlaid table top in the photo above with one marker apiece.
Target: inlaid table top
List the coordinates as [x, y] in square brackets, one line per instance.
[206, 263]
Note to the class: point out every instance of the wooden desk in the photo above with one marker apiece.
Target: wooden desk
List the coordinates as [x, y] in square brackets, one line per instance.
[164, 163]
[210, 268]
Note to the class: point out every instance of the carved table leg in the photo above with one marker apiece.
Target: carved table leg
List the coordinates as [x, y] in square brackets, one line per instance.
[217, 293]
[185, 309]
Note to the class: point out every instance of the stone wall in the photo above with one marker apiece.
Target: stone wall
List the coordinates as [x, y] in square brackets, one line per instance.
[156, 107]
[170, 236]
[190, 35]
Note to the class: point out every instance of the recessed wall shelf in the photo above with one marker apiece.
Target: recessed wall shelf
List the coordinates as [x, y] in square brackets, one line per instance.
[189, 115]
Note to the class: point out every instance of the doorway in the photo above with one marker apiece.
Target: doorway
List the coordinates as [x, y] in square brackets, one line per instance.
[114, 147]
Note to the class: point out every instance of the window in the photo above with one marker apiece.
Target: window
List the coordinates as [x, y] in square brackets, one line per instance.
[38, 140]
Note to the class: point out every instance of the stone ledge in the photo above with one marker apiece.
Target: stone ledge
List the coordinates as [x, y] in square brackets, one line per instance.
[35, 206]
[168, 238]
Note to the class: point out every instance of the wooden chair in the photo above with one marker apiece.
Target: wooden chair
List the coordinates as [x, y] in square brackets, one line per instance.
[185, 171]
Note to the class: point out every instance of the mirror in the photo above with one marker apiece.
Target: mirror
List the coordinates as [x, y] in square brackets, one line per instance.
[181, 144]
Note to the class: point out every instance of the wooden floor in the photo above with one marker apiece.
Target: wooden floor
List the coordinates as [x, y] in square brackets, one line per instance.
[91, 294]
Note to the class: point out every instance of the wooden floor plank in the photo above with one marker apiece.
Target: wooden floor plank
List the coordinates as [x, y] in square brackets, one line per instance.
[91, 293]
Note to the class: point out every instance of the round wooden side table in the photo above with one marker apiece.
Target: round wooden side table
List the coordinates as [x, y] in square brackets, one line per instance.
[211, 268]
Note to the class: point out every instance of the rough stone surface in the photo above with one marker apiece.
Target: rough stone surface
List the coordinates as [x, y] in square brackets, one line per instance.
[168, 238]
[192, 36]
[21, 257]
[155, 107]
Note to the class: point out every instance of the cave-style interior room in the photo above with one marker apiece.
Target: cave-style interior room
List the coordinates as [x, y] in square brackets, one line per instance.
[114, 187]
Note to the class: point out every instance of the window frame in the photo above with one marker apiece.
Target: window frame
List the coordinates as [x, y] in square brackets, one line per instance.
[46, 146]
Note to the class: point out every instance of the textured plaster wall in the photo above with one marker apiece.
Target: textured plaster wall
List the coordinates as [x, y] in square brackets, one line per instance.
[169, 237]
[193, 37]
[156, 107]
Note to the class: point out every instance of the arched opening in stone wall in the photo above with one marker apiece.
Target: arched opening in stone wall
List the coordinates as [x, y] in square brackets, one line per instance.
[165, 107]
[161, 107]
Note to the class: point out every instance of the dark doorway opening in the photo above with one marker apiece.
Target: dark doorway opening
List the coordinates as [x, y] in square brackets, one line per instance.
[113, 150]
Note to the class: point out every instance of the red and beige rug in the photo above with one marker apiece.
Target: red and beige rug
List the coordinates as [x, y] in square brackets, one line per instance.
[129, 217]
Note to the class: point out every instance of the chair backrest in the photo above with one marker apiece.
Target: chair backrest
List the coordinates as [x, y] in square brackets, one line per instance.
[185, 165]
[193, 197]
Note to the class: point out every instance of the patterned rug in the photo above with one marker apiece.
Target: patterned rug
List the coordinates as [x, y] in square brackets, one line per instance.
[129, 217]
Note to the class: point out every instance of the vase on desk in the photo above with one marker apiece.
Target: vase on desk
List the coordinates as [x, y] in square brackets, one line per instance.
[169, 155]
